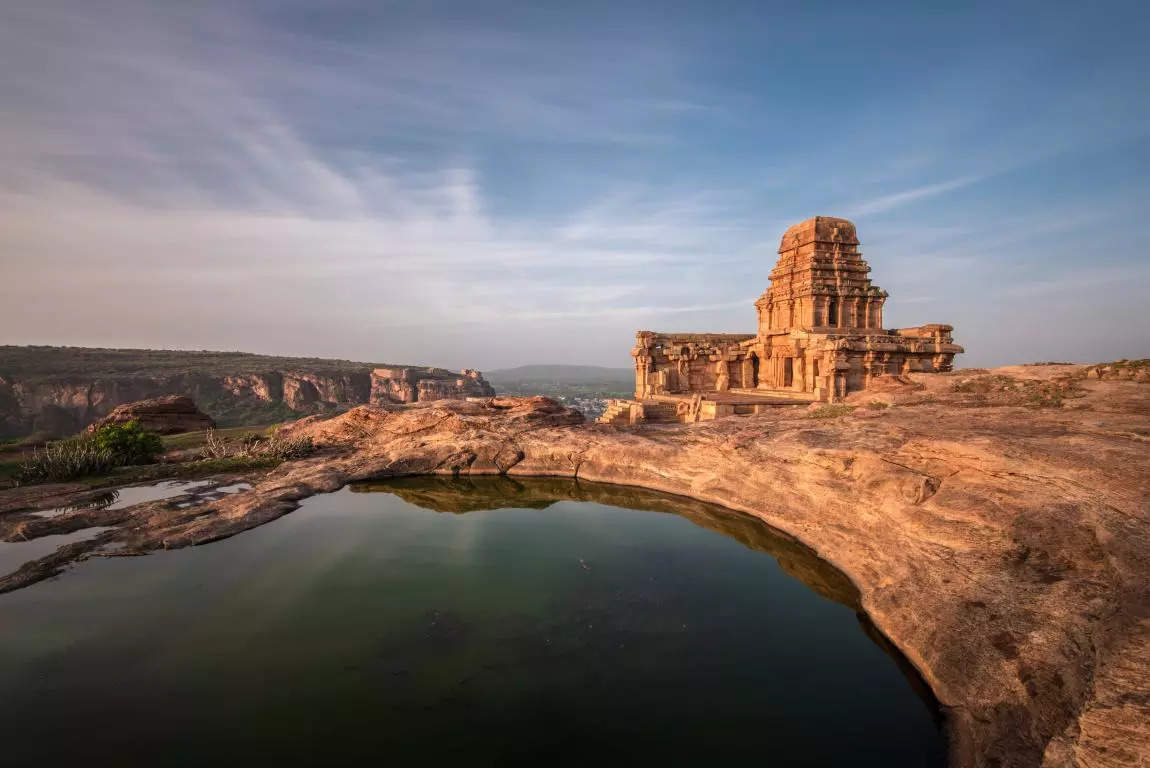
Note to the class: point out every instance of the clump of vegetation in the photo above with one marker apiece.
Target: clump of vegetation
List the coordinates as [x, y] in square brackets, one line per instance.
[985, 385]
[878, 405]
[288, 448]
[278, 446]
[1047, 394]
[830, 411]
[225, 465]
[216, 447]
[65, 460]
[97, 453]
[129, 443]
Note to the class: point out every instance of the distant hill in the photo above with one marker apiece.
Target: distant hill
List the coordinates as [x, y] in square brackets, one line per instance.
[54, 391]
[42, 363]
[561, 374]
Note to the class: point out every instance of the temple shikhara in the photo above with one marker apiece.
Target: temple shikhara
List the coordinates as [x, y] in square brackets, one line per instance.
[820, 335]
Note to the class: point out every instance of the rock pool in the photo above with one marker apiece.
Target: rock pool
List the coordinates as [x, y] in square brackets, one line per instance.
[492, 621]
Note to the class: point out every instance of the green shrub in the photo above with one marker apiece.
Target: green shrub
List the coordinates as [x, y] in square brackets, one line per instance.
[66, 460]
[877, 405]
[129, 443]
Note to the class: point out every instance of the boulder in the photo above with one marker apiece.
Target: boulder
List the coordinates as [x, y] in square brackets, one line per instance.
[167, 415]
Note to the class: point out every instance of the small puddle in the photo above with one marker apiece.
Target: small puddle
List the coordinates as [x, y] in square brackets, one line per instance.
[14, 554]
[234, 488]
[118, 498]
[215, 494]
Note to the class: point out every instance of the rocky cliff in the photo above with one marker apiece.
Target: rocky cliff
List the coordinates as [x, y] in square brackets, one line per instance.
[55, 391]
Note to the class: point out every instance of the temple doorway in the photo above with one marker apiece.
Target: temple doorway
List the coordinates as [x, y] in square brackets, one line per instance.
[788, 372]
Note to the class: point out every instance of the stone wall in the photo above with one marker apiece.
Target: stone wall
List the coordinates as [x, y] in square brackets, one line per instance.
[667, 363]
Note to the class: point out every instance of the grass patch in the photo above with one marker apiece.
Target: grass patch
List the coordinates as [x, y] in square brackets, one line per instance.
[985, 385]
[877, 405]
[830, 411]
[188, 440]
[275, 445]
[224, 465]
[65, 460]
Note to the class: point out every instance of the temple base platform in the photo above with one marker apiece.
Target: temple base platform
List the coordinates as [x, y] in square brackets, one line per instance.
[689, 407]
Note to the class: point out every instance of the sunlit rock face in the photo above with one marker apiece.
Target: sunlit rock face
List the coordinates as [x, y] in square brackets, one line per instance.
[166, 415]
[409, 385]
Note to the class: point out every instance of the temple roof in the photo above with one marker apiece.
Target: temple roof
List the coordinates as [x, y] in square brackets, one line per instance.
[828, 229]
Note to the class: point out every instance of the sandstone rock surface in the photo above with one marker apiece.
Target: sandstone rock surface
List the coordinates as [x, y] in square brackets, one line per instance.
[166, 415]
[996, 525]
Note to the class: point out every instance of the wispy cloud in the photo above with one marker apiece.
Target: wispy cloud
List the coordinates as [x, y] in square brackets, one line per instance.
[407, 183]
[889, 202]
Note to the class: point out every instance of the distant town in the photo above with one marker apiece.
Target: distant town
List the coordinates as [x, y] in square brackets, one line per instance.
[584, 387]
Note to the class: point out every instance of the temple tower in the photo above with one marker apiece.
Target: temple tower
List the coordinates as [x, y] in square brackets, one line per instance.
[820, 337]
[820, 283]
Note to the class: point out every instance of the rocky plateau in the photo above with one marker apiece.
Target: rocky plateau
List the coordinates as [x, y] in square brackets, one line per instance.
[995, 524]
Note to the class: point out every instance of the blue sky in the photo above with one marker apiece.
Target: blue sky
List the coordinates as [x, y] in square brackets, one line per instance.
[493, 184]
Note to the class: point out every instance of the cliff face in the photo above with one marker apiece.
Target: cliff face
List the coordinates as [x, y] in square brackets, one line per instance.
[54, 404]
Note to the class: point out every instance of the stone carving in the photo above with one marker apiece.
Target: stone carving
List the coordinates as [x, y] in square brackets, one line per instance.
[820, 333]
[722, 376]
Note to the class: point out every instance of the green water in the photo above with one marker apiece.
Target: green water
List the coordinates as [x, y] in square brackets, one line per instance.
[493, 623]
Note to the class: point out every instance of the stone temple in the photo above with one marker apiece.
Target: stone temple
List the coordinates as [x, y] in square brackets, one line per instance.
[820, 336]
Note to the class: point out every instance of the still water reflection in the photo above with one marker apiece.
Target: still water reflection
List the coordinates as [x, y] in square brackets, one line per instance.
[490, 621]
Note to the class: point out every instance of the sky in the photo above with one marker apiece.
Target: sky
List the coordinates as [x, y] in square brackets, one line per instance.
[491, 184]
